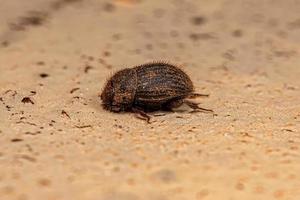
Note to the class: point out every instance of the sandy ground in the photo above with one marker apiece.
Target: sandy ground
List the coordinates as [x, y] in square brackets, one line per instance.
[57, 143]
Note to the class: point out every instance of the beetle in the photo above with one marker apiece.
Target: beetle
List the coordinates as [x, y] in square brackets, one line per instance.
[149, 87]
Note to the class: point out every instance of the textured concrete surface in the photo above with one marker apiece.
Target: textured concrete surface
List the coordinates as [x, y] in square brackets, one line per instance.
[57, 143]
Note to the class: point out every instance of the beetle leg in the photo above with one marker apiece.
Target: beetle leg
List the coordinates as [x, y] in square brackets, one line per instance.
[195, 95]
[140, 114]
[196, 107]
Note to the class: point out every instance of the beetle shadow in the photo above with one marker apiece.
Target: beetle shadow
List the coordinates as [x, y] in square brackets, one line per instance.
[96, 104]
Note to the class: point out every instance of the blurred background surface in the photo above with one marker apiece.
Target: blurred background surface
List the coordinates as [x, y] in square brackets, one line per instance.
[58, 143]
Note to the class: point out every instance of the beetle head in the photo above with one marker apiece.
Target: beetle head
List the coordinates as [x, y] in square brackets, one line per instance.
[119, 91]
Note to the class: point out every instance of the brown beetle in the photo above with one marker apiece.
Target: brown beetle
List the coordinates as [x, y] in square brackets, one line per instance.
[149, 87]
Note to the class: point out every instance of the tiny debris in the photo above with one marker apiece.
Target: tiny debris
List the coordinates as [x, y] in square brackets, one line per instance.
[294, 24]
[28, 158]
[91, 58]
[198, 20]
[8, 107]
[87, 68]
[106, 53]
[56, 5]
[63, 112]
[16, 140]
[21, 122]
[84, 126]
[73, 90]
[109, 7]
[5, 43]
[33, 133]
[52, 122]
[101, 61]
[44, 75]
[237, 33]
[40, 63]
[30, 123]
[202, 36]
[14, 93]
[117, 36]
[27, 100]
[7, 91]
[245, 134]
[149, 46]
[44, 182]
[289, 87]
[33, 93]
[285, 54]
[83, 56]
[288, 130]
[165, 175]
[33, 18]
